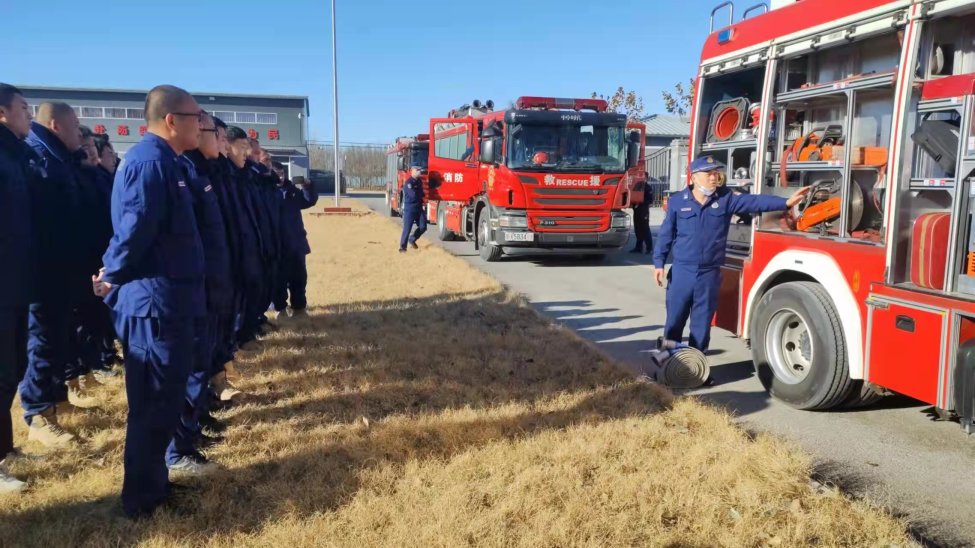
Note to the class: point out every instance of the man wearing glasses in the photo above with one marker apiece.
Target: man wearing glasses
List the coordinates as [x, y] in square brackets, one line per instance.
[153, 279]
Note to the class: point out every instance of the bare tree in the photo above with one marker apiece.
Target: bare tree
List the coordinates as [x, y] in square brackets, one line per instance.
[624, 102]
[681, 100]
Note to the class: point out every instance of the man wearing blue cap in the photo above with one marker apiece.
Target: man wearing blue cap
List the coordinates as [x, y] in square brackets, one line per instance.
[697, 222]
[413, 210]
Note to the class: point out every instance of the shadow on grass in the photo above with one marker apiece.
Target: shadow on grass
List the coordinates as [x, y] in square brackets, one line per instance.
[434, 377]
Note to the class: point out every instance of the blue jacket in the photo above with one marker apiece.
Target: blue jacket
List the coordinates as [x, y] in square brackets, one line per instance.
[213, 233]
[412, 193]
[251, 243]
[96, 214]
[294, 239]
[62, 275]
[155, 258]
[223, 187]
[699, 233]
[267, 202]
[17, 164]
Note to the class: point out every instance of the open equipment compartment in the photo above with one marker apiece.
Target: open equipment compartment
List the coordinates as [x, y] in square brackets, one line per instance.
[934, 247]
[831, 131]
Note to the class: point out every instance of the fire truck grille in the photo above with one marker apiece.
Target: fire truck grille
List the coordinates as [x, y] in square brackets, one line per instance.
[563, 221]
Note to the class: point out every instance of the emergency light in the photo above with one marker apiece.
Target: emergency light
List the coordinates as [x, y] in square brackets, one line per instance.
[546, 103]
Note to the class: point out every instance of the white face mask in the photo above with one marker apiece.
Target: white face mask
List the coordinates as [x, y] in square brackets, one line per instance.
[706, 191]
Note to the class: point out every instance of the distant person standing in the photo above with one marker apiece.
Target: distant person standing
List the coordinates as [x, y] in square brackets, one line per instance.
[293, 273]
[17, 163]
[413, 210]
[641, 223]
[153, 279]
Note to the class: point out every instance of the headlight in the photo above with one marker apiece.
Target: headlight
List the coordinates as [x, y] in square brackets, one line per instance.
[511, 221]
[621, 221]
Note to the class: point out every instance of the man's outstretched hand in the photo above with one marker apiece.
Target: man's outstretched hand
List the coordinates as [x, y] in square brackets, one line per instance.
[799, 196]
[99, 286]
[658, 275]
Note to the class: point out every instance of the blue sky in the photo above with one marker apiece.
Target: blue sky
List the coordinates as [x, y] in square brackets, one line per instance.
[400, 63]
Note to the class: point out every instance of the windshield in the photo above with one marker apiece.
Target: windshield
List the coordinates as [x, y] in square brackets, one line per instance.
[418, 156]
[567, 148]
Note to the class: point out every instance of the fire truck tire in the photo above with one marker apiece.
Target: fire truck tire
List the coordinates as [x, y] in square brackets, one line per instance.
[444, 233]
[489, 253]
[799, 349]
[861, 396]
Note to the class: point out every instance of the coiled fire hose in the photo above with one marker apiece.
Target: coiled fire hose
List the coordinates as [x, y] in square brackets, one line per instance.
[679, 366]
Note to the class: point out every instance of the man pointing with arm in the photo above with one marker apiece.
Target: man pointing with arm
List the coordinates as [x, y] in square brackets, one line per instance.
[696, 228]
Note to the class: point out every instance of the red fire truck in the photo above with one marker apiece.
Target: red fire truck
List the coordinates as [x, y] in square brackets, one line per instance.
[546, 175]
[638, 173]
[401, 155]
[867, 287]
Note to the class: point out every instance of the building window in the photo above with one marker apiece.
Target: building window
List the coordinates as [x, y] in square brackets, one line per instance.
[112, 112]
[246, 118]
[227, 117]
[269, 118]
[135, 114]
[92, 112]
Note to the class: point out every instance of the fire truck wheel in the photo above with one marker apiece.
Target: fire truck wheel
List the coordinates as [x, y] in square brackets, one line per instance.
[489, 253]
[798, 347]
[444, 233]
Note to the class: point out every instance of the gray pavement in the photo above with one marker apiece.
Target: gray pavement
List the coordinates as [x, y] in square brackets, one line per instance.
[895, 454]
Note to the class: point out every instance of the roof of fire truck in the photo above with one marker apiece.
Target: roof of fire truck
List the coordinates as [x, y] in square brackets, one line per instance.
[403, 143]
[798, 19]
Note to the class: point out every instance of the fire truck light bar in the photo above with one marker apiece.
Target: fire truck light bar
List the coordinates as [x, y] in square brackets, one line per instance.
[597, 105]
[423, 137]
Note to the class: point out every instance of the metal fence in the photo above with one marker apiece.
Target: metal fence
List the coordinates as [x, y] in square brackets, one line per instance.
[363, 165]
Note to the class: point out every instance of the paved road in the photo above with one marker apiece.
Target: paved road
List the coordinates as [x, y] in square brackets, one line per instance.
[895, 454]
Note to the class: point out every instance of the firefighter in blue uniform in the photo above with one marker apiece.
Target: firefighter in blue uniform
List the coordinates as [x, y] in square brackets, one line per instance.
[153, 279]
[17, 166]
[253, 232]
[413, 210]
[696, 228]
[293, 274]
[60, 283]
[183, 454]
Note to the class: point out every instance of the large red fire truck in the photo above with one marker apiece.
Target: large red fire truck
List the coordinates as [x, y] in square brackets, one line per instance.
[400, 157]
[867, 287]
[546, 175]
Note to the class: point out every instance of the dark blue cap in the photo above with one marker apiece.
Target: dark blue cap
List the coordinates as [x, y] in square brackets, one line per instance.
[706, 163]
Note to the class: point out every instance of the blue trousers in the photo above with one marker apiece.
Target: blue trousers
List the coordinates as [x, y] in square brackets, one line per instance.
[251, 311]
[92, 324]
[691, 293]
[49, 345]
[412, 215]
[225, 344]
[196, 395]
[13, 364]
[293, 279]
[158, 359]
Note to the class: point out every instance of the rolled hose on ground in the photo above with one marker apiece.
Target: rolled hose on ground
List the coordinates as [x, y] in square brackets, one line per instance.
[679, 366]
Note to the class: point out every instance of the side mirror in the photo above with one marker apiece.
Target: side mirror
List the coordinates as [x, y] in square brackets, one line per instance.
[632, 154]
[488, 155]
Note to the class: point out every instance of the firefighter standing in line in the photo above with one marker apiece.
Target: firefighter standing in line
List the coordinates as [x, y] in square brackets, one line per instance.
[153, 280]
[413, 210]
[17, 167]
[696, 227]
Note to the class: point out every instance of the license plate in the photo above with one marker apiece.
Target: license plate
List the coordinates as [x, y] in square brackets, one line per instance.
[519, 236]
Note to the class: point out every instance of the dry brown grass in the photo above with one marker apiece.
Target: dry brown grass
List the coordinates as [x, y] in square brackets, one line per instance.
[421, 405]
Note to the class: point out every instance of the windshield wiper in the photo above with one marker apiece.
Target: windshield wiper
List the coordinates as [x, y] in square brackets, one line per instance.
[576, 167]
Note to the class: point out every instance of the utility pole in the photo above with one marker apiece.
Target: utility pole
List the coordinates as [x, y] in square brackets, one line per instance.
[335, 95]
